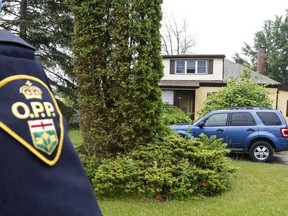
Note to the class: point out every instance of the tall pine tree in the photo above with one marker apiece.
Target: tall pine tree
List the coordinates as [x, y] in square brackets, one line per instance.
[48, 26]
[118, 67]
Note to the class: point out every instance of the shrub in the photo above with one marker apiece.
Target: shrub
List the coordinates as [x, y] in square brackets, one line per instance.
[174, 167]
[174, 115]
[90, 164]
[237, 93]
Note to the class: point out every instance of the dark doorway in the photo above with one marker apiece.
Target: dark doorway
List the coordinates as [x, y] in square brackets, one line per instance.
[185, 100]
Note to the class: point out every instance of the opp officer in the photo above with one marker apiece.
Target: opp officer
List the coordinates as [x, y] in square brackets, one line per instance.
[41, 174]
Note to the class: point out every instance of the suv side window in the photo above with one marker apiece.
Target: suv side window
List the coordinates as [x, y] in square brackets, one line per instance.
[269, 118]
[219, 119]
[242, 119]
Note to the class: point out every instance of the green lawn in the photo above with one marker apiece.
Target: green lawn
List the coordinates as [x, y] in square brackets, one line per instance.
[259, 189]
[76, 137]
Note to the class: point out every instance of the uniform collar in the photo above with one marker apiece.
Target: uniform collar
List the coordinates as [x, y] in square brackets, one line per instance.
[8, 37]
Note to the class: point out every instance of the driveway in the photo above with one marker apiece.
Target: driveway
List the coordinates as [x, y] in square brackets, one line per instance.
[279, 158]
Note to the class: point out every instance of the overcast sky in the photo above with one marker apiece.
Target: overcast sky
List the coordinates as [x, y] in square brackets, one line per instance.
[222, 27]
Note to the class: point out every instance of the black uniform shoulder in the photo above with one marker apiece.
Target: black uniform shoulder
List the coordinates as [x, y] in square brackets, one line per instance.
[8, 37]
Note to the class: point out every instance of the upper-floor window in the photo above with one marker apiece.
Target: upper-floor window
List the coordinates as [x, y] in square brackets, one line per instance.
[191, 67]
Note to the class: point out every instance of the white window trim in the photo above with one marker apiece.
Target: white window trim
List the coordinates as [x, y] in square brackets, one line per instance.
[196, 67]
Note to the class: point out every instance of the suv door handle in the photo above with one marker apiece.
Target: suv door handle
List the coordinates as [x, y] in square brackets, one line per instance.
[219, 131]
[250, 130]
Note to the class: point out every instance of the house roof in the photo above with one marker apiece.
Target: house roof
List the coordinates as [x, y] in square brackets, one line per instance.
[193, 56]
[232, 71]
[188, 83]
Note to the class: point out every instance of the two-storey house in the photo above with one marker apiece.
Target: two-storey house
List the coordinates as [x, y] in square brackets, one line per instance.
[188, 79]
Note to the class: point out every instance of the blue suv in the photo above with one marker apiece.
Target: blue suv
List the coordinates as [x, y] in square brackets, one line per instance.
[258, 131]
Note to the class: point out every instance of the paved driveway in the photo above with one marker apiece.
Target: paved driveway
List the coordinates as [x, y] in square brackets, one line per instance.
[280, 158]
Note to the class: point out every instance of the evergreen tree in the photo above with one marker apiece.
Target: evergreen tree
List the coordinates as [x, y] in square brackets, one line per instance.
[118, 67]
[273, 36]
[48, 26]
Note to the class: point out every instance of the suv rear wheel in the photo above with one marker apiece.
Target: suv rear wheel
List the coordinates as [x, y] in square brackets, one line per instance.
[261, 151]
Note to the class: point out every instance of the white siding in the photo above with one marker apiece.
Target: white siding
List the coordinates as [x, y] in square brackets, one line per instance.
[217, 72]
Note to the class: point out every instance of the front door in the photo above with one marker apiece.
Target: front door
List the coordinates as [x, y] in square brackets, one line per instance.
[185, 100]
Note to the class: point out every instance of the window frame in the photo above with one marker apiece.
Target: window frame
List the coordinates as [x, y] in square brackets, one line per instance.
[196, 67]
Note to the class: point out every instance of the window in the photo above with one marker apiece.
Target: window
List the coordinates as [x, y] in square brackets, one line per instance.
[216, 120]
[191, 67]
[180, 67]
[202, 65]
[287, 108]
[269, 118]
[242, 119]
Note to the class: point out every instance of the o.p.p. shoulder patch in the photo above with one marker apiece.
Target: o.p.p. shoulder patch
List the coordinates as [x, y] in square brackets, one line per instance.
[29, 113]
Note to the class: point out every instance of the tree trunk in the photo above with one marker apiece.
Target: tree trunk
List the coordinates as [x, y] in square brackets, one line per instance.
[23, 18]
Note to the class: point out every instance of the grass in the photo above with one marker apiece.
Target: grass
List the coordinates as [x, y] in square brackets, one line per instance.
[76, 137]
[258, 189]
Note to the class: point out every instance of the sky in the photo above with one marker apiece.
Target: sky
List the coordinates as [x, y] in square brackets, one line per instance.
[222, 26]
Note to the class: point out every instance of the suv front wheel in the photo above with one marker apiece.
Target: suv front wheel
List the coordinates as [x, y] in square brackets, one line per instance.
[261, 151]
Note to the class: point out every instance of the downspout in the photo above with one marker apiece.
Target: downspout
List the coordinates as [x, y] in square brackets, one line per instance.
[277, 97]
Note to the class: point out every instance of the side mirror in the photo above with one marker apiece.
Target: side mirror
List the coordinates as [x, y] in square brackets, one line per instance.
[201, 124]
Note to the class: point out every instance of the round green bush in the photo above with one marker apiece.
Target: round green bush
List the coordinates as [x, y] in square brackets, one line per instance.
[174, 167]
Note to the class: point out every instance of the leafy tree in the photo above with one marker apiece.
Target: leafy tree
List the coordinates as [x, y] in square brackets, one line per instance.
[48, 26]
[118, 67]
[274, 37]
[237, 93]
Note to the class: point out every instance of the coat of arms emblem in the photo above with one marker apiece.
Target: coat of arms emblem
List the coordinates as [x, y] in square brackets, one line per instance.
[43, 134]
[32, 117]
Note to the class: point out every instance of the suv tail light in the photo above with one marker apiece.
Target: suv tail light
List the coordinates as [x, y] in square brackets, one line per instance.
[284, 132]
